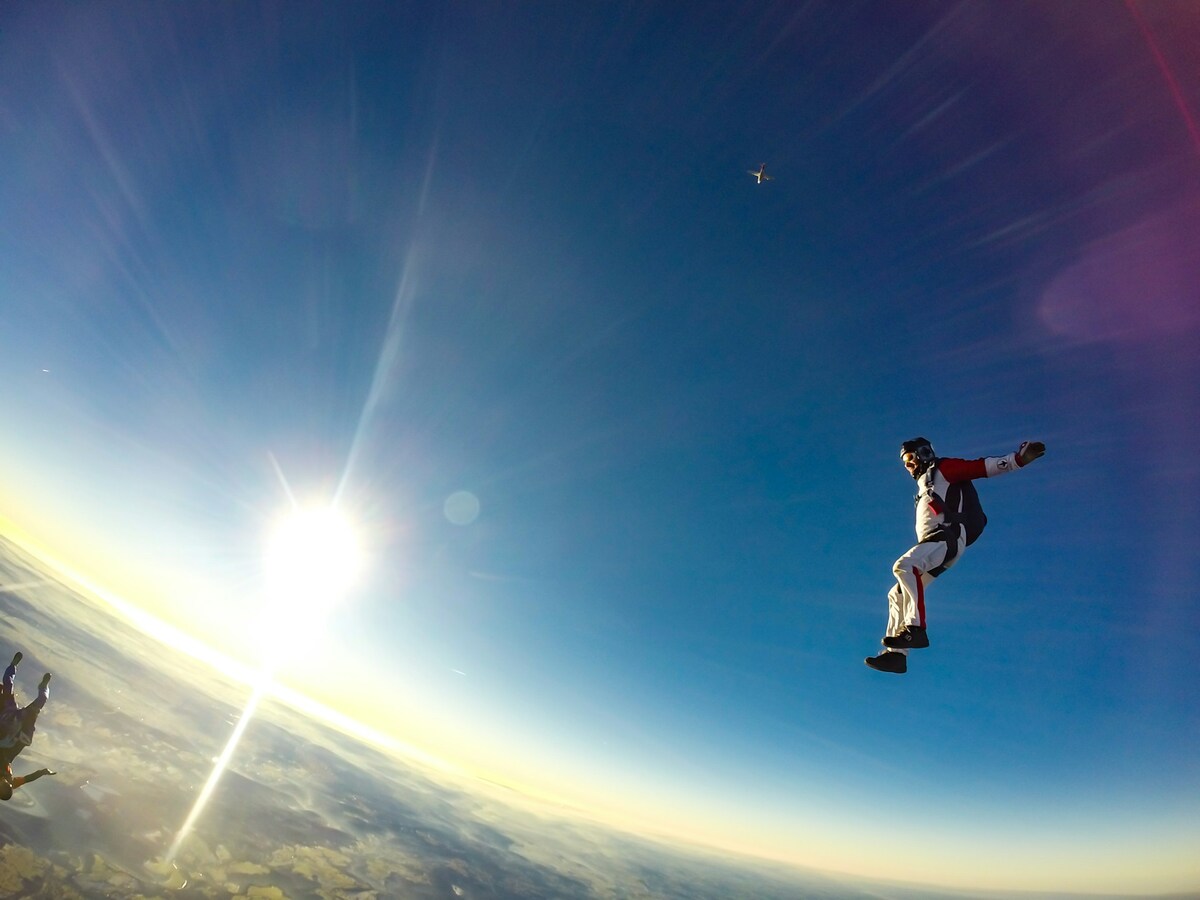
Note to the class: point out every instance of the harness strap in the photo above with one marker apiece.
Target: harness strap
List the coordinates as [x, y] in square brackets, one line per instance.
[950, 508]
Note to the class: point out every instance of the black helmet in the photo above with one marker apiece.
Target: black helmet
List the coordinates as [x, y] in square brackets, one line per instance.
[922, 450]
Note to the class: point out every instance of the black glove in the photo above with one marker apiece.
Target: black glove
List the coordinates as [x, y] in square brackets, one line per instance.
[1030, 450]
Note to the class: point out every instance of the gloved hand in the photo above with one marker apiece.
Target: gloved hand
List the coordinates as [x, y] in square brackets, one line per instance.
[1029, 451]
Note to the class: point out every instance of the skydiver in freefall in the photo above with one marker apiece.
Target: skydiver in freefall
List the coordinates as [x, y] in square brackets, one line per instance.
[761, 175]
[17, 725]
[949, 519]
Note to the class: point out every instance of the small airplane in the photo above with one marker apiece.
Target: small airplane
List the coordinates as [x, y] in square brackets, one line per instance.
[761, 175]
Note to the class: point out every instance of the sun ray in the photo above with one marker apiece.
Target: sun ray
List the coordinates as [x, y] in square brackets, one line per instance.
[219, 767]
[283, 482]
[312, 556]
[389, 351]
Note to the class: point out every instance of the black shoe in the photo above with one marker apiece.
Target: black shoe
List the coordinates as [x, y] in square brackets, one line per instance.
[16, 659]
[45, 681]
[911, 637]
[896, 663]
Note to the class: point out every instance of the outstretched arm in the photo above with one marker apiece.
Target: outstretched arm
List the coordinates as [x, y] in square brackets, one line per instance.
[991, 466]
[32, 776]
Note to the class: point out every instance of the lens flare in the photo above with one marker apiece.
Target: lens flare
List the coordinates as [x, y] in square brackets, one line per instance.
[218, 768]
[312, 559]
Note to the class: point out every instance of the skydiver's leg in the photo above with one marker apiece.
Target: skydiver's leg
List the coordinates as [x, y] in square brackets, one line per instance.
[895, 611]
[890, 660]
[30, 713]
[912, 577]
[8, 701]
[9, 674]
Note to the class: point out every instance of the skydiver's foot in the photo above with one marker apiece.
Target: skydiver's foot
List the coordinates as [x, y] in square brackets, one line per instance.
[45, 682]
[889, 661]
[16, 659]
[911, 637]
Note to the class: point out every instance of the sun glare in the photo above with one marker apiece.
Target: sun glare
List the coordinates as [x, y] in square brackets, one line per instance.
[312, 558]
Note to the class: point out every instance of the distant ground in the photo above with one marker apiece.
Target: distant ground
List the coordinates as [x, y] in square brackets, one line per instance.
[303, 811]
[132, 729]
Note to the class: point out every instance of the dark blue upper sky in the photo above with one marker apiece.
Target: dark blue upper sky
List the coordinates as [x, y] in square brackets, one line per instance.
[408, 250]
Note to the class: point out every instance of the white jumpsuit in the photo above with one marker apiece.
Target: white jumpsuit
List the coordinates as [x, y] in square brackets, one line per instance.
[906, 600]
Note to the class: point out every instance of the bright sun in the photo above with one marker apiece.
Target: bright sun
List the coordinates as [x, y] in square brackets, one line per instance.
[312, 559]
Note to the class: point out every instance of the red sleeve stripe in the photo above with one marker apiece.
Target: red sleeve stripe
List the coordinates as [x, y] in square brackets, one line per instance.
[962, 469]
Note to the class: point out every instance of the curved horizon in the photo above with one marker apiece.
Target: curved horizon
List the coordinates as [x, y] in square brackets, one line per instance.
[617, 424]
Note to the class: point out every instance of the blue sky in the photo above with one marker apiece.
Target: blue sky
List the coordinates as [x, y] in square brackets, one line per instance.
[396, 252]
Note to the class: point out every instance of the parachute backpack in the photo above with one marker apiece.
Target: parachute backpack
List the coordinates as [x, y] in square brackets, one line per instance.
[963, 508]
